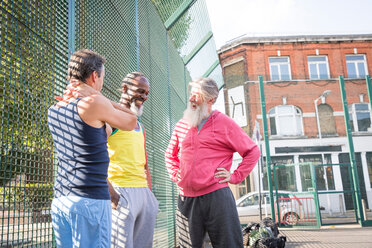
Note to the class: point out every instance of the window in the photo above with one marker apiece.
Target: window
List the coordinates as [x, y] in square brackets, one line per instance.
[346, 177]
[318, 67]
[286, 176]
[324, 174]
[244, 187]
[327, 120]
[279, 68]
[286, 120]
[356, 66]
[360, 117]
[266, 197]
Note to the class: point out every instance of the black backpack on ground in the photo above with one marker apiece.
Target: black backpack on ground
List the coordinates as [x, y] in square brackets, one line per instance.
[269, 223]
[263, 235]
[271, 242]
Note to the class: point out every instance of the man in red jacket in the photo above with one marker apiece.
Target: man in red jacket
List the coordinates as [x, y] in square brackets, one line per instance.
[206, 140]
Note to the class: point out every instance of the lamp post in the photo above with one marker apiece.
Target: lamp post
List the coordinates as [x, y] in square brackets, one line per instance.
[324, 95]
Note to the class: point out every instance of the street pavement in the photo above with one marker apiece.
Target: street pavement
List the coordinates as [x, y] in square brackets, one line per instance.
[340, 236]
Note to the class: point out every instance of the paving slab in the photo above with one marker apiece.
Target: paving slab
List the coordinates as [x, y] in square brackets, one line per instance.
[343, 236]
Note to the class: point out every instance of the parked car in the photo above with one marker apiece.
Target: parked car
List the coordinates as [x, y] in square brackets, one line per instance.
[292, 208]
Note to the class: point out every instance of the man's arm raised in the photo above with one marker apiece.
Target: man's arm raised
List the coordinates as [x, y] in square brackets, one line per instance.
[77, 89]
[97, 109]
[120, 119]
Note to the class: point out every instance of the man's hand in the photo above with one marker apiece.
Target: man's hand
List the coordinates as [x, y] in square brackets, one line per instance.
[115, 197]
[222, 172]
[78, 89]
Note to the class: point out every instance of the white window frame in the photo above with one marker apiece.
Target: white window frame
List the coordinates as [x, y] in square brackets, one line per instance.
[317, 63]
[277, 64]
[353, 113]
[296, 114]
[355, 64]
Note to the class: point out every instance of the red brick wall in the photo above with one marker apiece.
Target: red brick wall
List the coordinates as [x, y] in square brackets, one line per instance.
[303, 92]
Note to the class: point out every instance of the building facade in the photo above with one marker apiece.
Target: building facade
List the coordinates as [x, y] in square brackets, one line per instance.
[306, 124]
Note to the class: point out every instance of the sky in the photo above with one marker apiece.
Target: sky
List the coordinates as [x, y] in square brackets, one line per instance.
[234, 18]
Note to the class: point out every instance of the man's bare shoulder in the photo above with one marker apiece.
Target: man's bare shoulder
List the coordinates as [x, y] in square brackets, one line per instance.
[94, 108]
[94, 101]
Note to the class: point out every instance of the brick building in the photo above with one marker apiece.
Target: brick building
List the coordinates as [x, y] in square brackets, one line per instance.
[304, 108]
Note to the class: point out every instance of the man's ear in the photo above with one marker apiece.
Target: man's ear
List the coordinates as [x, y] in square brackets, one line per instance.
[92, 79]
[125, 88]
[94, 76]
[211, 101]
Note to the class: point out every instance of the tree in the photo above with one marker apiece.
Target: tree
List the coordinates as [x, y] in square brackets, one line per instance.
[180, 30]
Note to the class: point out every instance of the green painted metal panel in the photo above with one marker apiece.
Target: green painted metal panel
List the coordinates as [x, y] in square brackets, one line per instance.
[210, 70]
[198, 47]
[178, 13]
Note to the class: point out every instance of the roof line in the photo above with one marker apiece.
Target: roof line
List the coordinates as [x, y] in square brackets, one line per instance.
[294, 38]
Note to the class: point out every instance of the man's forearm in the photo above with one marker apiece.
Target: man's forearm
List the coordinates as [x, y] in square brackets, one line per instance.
[120, 107]
[246, 166]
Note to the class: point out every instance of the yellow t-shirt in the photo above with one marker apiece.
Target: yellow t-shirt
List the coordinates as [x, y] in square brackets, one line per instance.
[127, 158]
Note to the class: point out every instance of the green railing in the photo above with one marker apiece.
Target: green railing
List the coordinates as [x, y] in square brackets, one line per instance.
[313, 136]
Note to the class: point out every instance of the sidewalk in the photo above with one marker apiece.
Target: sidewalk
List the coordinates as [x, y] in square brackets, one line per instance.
[341, 236]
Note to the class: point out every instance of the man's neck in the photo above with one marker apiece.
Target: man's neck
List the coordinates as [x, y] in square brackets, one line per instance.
[209, 113]
[125, 104]
[210, 110]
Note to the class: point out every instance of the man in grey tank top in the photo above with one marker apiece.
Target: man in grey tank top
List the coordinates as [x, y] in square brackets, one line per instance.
[81, 209]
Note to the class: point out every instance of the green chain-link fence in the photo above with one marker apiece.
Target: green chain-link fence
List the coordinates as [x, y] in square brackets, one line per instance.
[133, 36]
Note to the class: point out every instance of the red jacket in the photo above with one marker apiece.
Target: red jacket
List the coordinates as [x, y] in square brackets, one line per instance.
[205, 151]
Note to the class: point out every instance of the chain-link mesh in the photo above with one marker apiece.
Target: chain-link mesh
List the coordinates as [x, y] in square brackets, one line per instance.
[33, 61]
[34, 56]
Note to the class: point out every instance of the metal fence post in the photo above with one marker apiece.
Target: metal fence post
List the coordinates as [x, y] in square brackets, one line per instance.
[137, 37]
[71, 27]
[354, 170]
[170, 135]
[315, 194]
[267, 147]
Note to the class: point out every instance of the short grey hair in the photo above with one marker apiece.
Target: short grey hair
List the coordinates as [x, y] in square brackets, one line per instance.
[208, 86]
[83, 63]
[132, 76]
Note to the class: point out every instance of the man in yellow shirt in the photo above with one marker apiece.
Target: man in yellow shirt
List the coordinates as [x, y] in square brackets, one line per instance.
[134, 205]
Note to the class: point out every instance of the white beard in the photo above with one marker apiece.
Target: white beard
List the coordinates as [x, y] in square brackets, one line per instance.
[193, 117]
[136, 110]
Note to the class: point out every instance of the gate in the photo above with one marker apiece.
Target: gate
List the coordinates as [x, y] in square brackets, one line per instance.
[293, 208]
[340, 203]
[311, 207]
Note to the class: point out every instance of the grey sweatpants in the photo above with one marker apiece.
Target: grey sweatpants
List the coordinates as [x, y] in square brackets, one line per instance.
[214, 213]
[134, 219]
